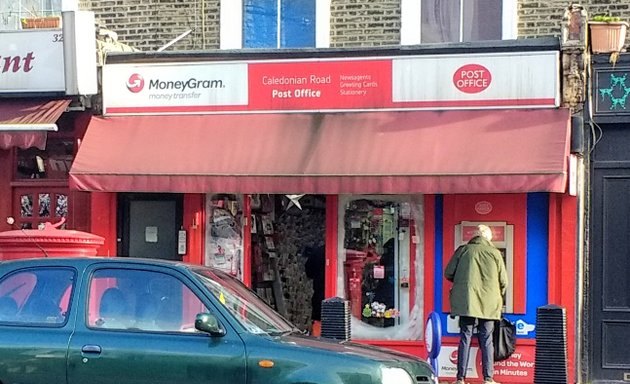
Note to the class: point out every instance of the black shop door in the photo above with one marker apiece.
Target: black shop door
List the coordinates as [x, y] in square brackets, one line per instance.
[148, 225]
[609, 275]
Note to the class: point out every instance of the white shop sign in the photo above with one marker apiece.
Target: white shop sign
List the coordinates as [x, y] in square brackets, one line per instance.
[494, 79]
[429, 82]
[31, 61]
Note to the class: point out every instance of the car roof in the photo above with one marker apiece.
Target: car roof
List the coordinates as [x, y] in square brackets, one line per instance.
[84, 261]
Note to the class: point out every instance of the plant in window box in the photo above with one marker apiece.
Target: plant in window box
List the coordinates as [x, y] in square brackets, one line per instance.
[40, 22]
[608, 34]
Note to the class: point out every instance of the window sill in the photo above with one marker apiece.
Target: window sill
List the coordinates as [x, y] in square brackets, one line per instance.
[40, 182]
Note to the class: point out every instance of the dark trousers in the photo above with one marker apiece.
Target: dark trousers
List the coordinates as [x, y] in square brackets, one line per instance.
[484, 335]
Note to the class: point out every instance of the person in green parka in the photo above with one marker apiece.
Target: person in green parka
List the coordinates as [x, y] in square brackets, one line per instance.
[479, 278]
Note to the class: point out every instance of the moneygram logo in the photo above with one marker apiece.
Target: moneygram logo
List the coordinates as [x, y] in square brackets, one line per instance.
[453, 357]
[135, 83]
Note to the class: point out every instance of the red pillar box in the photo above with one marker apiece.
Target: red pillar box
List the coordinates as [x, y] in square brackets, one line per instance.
[355, 261]
[47, 242]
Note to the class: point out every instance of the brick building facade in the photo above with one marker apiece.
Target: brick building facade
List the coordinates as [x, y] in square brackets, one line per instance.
[149, 24]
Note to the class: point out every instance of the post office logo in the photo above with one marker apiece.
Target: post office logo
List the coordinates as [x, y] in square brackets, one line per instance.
[472, 78]
[483, 207]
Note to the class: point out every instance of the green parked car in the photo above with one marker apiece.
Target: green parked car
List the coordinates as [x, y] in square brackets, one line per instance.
[121, 320]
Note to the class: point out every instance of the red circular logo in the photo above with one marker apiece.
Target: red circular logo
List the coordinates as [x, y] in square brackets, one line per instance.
[483, 207]
[453, 357]
[472, 78]
[135, 83]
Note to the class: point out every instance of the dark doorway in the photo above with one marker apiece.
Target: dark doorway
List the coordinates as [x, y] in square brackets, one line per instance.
[609, 289]
[148, 225]
[288, 255]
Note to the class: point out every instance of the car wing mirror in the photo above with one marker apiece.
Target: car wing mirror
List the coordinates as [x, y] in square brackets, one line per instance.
[208, 323]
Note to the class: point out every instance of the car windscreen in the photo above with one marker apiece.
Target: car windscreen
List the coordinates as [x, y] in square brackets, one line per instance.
[244, 305]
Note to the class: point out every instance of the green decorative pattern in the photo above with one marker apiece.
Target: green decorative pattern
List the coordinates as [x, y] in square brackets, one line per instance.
[617, 92]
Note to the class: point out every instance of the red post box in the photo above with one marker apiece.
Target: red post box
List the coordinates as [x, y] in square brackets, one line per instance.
[47, 242]
[355, 261]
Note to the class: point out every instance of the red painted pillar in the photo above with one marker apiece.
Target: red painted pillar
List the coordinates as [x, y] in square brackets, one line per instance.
[194, 226]
[103, 221]
[563, 264]
[332, 202]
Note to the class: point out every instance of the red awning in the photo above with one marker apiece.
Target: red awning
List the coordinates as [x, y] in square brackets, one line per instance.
[24, 122]
[368, 152]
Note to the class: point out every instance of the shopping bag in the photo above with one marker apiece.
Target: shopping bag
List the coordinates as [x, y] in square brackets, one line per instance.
[504, 338]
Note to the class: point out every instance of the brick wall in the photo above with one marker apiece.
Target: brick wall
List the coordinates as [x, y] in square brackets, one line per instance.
[149, 24]
[542, 18]
[359, 23]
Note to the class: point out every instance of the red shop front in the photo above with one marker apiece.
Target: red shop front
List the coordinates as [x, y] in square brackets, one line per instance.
[374, 186]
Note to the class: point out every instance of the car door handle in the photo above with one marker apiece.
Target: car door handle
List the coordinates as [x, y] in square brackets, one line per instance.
[91, 348]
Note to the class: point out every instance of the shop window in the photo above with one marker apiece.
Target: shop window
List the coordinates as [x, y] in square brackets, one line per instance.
[52, 163]
[224, 233]
[279, 23]
[40, 191]
[380, 253]
[38, 205]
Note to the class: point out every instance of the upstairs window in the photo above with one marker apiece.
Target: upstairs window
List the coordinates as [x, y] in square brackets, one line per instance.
[454, 21]
[448, 21]
[14, 12]
[279, 23]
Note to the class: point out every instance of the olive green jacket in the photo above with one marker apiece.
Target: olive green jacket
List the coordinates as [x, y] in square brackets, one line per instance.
[479, 280]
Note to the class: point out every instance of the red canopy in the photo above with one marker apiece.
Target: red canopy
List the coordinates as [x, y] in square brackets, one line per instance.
[24, 122]
[464, 151]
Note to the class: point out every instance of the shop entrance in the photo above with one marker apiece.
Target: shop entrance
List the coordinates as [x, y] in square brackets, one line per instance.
[148, 225]
[610, 316]
[288, 258]
[609, 302]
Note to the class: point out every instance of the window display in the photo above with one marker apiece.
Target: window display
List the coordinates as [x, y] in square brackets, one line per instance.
[52, 163]
[38, 205]
[224, 233]
[376, 245]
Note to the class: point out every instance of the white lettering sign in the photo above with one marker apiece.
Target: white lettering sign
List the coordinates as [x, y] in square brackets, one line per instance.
[186, 87]
[31, 61]
[483, 78]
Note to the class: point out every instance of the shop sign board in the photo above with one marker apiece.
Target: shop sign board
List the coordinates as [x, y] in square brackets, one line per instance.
[32, 61]
[491, 80]
[612, 88]
[518, 368]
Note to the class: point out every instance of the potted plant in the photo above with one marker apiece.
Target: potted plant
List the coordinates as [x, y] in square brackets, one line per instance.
[608, 33]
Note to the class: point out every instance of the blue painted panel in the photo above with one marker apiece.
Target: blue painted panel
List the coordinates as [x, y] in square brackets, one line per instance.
[439, 248]
[260, 24]
[537, 259]
[297, 21]
[439, 235]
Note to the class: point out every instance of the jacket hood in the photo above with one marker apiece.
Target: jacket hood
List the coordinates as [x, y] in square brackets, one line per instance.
[480, 240]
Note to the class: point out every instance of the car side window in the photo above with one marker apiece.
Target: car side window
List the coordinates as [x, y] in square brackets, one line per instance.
[36, 296]
[141, 300]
